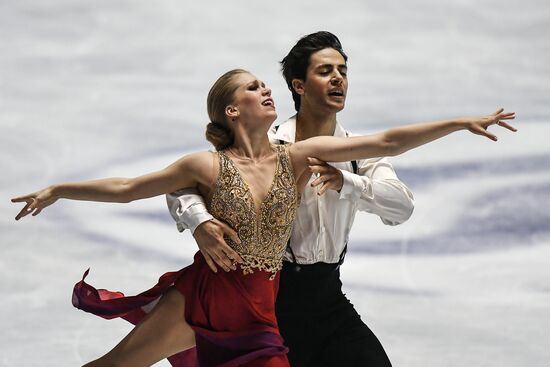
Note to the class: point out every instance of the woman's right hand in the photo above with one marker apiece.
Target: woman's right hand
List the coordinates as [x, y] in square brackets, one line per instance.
[35, 202]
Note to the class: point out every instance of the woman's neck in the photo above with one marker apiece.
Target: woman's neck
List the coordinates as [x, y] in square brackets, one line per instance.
[253, 146]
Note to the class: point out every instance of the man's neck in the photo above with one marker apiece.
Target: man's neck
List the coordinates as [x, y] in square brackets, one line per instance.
[310, 124]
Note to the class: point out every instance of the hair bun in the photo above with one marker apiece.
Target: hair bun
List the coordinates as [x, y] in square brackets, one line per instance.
[219, 135]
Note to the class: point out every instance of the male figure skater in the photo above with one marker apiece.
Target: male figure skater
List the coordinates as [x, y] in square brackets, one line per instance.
[319, 324]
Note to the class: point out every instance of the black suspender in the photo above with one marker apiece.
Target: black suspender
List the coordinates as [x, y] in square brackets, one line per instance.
[280, 140]
[353, 163]
[354, 166]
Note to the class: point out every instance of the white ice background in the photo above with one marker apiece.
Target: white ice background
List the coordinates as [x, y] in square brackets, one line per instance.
[92, 89]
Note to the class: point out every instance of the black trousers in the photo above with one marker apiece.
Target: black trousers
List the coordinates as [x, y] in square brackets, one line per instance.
[319, 324]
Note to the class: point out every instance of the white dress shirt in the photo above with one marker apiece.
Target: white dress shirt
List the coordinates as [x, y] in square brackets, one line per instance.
[323, 222]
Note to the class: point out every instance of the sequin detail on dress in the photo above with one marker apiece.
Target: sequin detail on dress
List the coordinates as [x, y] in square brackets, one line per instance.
[264, 236]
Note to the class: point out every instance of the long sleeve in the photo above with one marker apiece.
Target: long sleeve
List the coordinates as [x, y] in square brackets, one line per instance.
[377, 189]
[188, 209]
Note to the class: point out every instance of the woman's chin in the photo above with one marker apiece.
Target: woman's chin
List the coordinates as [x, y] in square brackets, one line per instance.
[272, 116]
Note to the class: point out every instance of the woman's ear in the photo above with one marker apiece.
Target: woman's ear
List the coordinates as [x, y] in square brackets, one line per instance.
[232, 112]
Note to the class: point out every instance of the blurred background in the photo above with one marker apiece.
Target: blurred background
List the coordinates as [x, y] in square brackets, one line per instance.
[118, 88]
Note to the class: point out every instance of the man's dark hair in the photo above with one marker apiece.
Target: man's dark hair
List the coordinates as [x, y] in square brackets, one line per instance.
[295, 64]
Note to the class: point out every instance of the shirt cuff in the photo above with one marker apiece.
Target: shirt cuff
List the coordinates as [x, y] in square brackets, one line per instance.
[355, 186]
[195, 215]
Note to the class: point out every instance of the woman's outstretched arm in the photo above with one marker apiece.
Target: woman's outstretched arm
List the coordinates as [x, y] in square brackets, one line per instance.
[393, 141]
[186, 172]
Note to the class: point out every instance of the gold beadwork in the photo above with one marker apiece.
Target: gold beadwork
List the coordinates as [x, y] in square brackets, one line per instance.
[264, 236]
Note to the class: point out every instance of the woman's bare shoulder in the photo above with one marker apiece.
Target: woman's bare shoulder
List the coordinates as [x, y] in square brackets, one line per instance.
[200, 165]
[200, 157]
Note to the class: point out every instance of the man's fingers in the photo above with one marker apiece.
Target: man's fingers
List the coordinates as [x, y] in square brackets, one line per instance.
[498, 111]
[324, 179]
[234, 236]
[230, 232]
[226, 249]
[229, 257]
[209, 262]
[323, 188]
[319, 180]
[317, 169]
[232, 254]
[223, 261]
[218, 260]
[321, 169]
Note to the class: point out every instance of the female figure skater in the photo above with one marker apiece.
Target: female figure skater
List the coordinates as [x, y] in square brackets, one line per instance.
[250, 184]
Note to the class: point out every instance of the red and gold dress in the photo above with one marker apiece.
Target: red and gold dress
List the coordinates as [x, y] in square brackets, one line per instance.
[232, 313]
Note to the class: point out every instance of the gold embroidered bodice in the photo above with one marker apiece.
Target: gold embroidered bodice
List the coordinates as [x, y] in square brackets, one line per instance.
[263, 235]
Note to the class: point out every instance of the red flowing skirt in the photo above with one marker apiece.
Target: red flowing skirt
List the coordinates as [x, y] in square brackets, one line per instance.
[232, 314]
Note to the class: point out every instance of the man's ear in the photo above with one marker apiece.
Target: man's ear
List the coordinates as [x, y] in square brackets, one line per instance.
[232, 112]
[298, 86]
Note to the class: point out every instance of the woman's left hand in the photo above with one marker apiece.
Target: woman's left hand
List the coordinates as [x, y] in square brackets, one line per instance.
[327, 175]
[35, 202]
[479, 125]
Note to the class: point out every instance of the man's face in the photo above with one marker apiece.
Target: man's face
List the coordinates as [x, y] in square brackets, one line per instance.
[326, 82]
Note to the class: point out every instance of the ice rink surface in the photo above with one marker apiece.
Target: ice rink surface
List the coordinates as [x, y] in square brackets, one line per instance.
[118, 88]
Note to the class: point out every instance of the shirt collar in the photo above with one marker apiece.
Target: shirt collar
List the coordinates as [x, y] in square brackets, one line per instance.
[287, 131]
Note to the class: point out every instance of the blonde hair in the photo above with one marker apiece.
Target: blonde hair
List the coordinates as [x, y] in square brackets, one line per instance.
[218, 130]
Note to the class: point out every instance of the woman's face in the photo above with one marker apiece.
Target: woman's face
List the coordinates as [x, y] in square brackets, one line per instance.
[252, 100]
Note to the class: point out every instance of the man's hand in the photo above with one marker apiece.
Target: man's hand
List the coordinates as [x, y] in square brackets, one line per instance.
[210, 238]
[329, 177]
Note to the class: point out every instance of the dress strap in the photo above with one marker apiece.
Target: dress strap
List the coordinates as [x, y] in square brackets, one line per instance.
[223, 161]
[285, 163]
